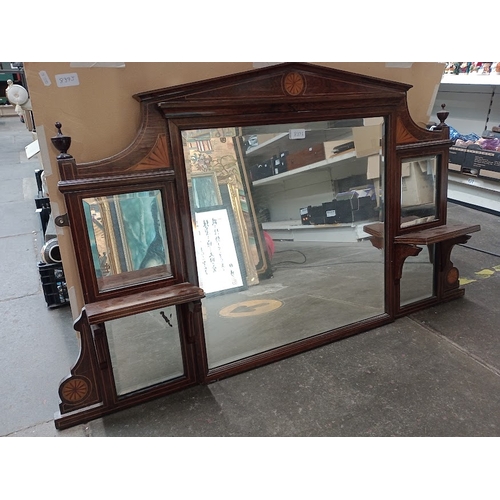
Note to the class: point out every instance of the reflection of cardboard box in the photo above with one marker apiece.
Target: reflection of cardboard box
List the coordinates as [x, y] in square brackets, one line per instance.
[417, 187]
[341, 145]
[306, 156]
[261, 171]
[262, 138]
[367, 140]
[373, 167]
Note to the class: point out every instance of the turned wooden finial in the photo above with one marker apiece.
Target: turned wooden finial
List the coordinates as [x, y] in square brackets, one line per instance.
[61, 142]
[442, 115]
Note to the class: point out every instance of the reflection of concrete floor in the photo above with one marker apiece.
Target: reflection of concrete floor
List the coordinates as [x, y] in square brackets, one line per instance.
[321, 286]
[417, 280]
[144, 349]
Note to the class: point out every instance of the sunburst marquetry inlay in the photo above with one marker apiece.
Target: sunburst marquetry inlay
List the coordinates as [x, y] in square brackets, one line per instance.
[158, 157]
[403, 136]
[75, 389]
[294, 83]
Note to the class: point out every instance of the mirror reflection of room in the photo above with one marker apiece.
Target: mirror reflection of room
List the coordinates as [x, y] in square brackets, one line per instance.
[418, 191]
[278, 215]
[127, 237]
[145, 349]
[417, 277]
[418, 206]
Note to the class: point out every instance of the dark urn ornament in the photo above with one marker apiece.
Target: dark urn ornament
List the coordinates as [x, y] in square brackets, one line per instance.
[442, 115]
[61, 143]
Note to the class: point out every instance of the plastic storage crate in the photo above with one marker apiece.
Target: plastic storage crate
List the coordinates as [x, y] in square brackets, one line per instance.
[53, 284]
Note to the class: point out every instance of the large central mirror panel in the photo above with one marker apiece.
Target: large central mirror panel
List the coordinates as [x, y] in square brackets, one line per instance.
[278, 213]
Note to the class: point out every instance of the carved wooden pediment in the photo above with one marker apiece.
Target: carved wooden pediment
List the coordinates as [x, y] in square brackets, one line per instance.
[283, 88]
[282, 81]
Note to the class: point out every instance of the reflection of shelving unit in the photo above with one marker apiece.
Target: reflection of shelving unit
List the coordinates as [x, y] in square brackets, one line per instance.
[287, 192]
[464, 79]
[313, 166]
[260, 147]
[293, 230]
[474, 106]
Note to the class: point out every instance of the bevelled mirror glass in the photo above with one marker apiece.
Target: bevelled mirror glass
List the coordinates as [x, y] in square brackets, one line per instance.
[417, 277]
[127, 237]
[145, 349]
[278, 215]
[418, 190]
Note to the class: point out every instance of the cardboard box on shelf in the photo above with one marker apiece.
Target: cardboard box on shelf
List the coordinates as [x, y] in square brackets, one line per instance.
[475, 161]
[454, 167]
[490, 174]
[457, 155]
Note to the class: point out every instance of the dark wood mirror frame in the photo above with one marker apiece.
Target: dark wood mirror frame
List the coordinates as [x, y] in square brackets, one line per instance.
[274, 95]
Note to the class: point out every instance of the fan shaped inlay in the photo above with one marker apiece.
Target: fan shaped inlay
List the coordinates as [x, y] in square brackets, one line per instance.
[158, 157]
[294, 83]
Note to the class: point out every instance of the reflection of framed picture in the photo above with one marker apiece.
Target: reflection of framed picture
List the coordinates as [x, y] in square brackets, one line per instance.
[205, 190]
[126, 232]
[217, 259]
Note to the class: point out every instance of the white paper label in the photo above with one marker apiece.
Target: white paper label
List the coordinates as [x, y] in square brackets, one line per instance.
[67, 80]
[45, 78]
[297, 133]
[32, 149]
[331, 213]
[303, 211]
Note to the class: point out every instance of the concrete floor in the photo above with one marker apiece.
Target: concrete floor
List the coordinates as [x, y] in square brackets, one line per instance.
[433, 373]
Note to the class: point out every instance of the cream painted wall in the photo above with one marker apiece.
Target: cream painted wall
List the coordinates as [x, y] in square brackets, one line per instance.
[102, 118]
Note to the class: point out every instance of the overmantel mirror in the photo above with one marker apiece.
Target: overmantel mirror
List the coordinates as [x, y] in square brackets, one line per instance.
[256, 216]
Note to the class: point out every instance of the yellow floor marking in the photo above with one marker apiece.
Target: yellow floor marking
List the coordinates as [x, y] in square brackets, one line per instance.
[465, 281]
[485, 272]
[250, 308]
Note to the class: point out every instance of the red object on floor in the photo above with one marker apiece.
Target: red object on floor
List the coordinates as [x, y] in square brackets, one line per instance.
[269, 244]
